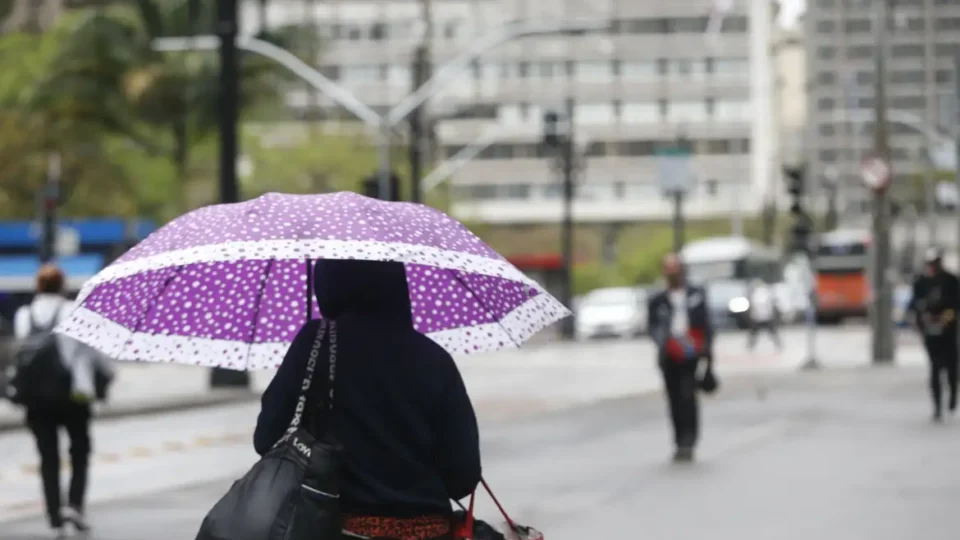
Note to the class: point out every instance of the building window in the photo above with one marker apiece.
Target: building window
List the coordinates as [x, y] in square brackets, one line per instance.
[828, 156]
[908, 102]
[907, 51]
[594, 72]
[523, 70]
[827, 130]
[826, 27]
[826, 53]
[687, 111]
[718, 146]
[732, 110]
[827, 78]
[860, 51]
[640, 113]
[644, 26]
[687, 25]
[826, 104]
[913, 76]
[857, 26]
[636, 148]
[594, 114]
[735, 24]
[948, 23]
[731, 66]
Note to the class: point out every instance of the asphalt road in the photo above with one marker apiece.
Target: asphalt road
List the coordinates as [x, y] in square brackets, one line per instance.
[837, 455]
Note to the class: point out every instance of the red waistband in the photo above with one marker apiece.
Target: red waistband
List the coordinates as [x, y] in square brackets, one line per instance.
[417, 528]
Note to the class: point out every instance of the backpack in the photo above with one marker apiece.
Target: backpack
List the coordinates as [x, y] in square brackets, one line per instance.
[293, 492]
[39, 375]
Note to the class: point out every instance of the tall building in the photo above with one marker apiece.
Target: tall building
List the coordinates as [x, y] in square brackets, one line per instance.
[923, 36]
[653, 77]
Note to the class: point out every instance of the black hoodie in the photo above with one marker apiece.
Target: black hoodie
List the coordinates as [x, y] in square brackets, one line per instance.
[401, 410]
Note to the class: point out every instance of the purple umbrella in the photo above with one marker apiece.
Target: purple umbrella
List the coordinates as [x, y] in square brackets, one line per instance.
[226, 285]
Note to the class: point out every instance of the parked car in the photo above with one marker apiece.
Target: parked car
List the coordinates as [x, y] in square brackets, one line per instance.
[611, 312]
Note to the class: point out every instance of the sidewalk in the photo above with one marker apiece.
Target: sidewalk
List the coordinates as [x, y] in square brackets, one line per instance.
[546, 376]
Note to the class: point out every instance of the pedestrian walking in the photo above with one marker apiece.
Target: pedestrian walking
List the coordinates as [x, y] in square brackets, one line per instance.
[679, 323]
[57, 379]
[763, 314]
[934, 305]
[408, 430]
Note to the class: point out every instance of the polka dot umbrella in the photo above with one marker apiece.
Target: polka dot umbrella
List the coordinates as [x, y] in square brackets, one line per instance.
[226, 285]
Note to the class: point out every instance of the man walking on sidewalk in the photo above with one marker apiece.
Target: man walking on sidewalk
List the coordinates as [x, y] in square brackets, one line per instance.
[57, 380]
[935, 302]
[679, 324]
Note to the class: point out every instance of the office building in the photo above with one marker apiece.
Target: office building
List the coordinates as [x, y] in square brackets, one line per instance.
[923, 36]
[653, 77]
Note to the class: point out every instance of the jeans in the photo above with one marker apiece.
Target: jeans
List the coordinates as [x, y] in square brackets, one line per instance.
[45, 423]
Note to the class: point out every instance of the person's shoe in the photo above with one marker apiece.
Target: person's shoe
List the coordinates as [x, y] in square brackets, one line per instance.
[938, 416]
[75, 517]
[59, 532]
[683, 455]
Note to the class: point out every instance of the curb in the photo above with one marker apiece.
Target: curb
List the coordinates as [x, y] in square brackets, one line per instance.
[211, 399]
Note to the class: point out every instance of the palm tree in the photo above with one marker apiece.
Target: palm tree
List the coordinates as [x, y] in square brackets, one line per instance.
[108, 73]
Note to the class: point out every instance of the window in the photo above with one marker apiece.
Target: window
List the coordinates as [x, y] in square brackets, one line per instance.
[827, 53]
[688, 68]
[827, 78]
[908, 102]
[594, 72]
[907, 51]
[644, 26]
[549, 69]
[827, 130]
[687, 111]
[718, 146]
[731, 66]
[826, 27]
[860, 51]
[594, 114]
[732, 110]
[826, 104]
[687, 25]
[640, 113]
[733, 24]
[637, 148]
[948, 23]
[856, 26]
[828, 156]
[913, 76]
[354, 33]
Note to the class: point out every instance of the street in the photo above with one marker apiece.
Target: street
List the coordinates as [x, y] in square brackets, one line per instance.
[842, 454]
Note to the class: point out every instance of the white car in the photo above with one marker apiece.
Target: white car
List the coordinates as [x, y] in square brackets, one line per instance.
[611, 312]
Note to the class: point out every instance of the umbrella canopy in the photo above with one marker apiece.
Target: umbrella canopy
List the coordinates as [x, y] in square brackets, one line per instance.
[227, 285]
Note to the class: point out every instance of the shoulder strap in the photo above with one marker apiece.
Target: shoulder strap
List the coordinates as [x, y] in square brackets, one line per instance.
[36, 327]
[325, 328]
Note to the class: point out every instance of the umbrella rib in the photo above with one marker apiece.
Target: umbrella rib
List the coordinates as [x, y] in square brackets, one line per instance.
[256, 315]
[483, 304]
[163, 289]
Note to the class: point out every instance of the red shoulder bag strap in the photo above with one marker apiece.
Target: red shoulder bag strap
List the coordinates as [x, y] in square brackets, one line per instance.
[465, 529]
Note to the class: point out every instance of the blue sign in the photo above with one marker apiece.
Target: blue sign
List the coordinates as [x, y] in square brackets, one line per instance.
[92, 232]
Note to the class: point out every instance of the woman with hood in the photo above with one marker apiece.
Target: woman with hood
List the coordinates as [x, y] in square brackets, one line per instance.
[408, 430]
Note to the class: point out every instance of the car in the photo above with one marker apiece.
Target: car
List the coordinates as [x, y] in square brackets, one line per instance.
[619, 312]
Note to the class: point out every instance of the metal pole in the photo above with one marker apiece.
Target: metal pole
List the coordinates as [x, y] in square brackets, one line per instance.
[461, 158]
[956, 121]
[810, 314]
[736, 218]
[383, 152]
[566, 231]
[48, 209]
[227, 27]
[416, 126]
[882, 343]
[677, 222]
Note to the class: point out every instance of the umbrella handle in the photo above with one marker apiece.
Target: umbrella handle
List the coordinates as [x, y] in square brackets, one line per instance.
[309, 290]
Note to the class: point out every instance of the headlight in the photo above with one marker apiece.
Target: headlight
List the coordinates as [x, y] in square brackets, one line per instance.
[739, 305]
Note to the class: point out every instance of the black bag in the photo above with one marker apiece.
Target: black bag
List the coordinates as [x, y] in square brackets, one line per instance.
[39, 376]
[293, 492]
[708, 382]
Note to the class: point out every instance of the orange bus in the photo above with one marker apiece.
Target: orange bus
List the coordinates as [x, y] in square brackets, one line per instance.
[842, 265]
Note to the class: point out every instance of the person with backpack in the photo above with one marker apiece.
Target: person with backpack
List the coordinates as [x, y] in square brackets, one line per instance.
[57, 379]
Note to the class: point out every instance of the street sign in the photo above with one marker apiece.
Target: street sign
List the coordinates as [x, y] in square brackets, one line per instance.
[674, 171]
[876, 172]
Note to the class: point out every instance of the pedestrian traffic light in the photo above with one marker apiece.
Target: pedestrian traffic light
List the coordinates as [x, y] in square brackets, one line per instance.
[795, 185]
[371, 187]
[801, 234]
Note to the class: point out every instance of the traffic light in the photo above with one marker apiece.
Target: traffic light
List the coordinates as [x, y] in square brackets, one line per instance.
[371, 187]
[801, 235]
[554, 129]
[795, 185]
[802, 231]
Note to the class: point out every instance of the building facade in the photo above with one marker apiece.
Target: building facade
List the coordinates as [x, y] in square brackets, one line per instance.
[923, 36]
[653, 77]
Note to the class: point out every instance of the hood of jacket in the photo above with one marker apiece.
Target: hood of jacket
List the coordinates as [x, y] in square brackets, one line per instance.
[370, 288]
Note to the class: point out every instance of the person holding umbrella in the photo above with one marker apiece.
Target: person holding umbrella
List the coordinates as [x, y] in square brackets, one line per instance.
[400, 288]
[409, 433]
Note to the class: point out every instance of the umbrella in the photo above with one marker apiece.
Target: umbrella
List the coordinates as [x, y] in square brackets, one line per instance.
[227, 285]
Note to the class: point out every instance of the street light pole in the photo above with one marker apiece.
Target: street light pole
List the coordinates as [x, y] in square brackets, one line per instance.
[50, 201]
[229, 102]
[568, 157]
[882, 339]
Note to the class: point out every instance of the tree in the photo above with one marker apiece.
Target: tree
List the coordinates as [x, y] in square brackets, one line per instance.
[107, 73]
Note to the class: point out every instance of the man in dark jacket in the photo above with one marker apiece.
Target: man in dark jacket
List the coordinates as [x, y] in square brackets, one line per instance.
[679, 324]
[402, 413]
[935, 302]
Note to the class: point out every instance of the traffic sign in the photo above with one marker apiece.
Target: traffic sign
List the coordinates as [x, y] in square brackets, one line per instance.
[674, 171]
[876, 172]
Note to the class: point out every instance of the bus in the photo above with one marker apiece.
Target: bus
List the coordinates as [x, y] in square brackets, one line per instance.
[730, 258]
[841, 265]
